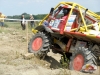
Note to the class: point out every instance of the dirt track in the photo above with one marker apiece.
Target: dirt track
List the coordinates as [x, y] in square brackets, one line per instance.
[13, 45]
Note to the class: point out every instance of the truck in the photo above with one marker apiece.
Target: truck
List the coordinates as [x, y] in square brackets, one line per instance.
[73, 31]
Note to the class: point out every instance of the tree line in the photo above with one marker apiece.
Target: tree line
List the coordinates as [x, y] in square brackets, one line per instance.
[27, 16]
[98, 13]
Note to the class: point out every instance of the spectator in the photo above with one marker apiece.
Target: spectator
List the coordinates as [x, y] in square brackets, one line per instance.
[2, 16]
[23, 22]
[32, 22]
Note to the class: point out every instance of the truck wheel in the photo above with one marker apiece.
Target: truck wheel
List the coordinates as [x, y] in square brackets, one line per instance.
[81, 57]
[39, 45]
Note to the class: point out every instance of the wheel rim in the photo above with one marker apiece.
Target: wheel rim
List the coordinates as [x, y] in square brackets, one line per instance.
[78, 62]
[37, 44]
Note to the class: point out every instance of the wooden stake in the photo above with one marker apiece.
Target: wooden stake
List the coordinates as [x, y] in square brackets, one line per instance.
[99, 70]
[27, 33]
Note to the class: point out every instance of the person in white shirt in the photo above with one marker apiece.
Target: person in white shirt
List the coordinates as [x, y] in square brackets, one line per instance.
[23, 22]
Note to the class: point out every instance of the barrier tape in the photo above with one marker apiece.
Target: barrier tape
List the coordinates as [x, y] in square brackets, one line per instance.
[18, 19]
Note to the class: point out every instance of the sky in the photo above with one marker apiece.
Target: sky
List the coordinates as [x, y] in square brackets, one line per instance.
[17, 7]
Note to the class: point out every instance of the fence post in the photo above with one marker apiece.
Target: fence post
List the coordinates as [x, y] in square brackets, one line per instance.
[27, 33]
[99, 70]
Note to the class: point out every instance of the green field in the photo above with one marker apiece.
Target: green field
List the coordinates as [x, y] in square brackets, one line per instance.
[17, 24]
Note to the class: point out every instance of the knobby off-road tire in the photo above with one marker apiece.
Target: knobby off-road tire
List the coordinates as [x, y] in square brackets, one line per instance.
[39, 45]
[81, 57]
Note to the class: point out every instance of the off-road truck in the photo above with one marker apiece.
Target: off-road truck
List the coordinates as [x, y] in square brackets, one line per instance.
[71, 30]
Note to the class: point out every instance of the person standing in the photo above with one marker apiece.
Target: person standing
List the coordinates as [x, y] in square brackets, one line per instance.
[2, 16]
[23, 22]
[32, 22]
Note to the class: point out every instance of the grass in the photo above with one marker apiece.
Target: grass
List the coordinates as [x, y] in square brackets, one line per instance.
[17, 25]
[12, 24]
